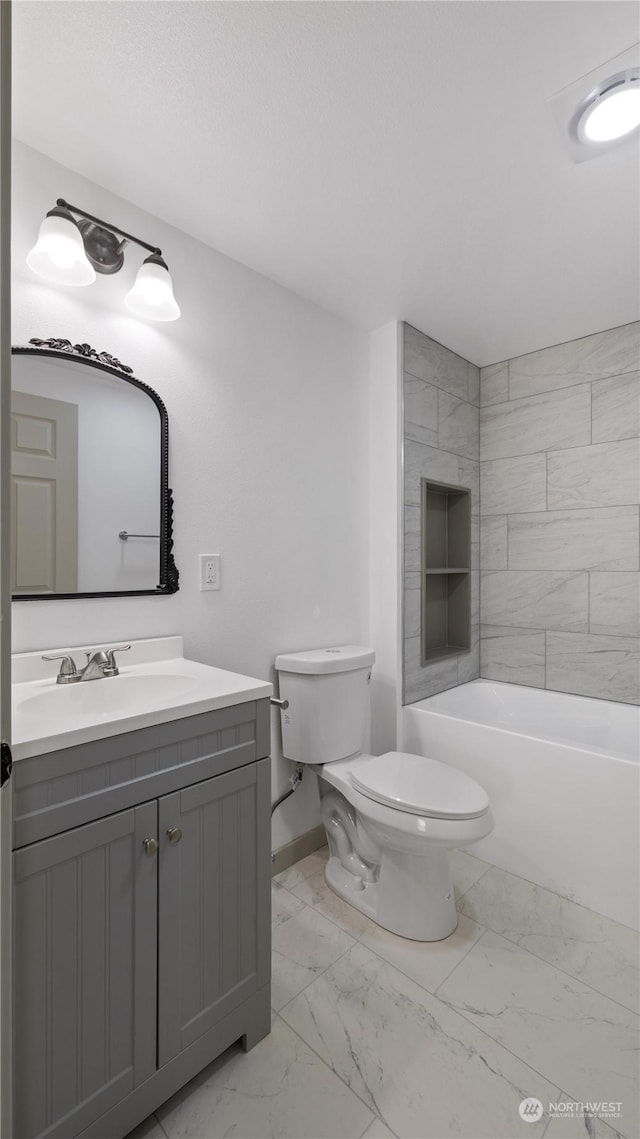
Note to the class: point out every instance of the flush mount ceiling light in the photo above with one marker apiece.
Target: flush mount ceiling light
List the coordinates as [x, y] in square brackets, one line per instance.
[70, 252]
[611, 111]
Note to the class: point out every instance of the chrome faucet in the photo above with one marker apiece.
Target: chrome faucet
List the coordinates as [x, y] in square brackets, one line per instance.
[98, 666]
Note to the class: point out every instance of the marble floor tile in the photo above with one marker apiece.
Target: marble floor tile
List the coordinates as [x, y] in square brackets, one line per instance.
[303, 946]
[377, 1130]
[427, 963]
[148, 1129]
[423, 1069]
[284, 905]
[279, 1090]
[465, 870]
[586, 1043]
[582, 1126]
[592, 948]
[308, 866]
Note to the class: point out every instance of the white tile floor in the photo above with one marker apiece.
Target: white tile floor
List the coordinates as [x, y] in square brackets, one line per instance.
[375, 1036]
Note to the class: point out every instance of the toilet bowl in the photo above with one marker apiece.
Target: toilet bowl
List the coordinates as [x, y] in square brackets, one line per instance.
[390, 819]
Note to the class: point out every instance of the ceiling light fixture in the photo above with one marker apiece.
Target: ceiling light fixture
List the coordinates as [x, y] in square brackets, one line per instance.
[70, 252]
[611, 111]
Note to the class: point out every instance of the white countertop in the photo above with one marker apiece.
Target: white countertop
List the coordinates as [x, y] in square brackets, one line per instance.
[201, 689]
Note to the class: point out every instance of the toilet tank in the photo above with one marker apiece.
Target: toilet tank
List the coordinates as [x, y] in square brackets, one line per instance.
[328, 694]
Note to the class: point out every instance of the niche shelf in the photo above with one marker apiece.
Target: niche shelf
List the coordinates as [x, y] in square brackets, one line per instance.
[446, 570]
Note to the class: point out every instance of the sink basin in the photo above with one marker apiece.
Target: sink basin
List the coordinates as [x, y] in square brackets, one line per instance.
[112, 696]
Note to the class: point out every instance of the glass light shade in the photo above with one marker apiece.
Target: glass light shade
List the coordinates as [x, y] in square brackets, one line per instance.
[612, 115]
[152, 294]
[59, 255]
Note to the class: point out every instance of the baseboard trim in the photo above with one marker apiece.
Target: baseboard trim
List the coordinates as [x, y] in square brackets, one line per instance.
[299, 848]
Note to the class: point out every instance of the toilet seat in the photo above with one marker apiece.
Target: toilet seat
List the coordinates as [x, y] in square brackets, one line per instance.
[419, 786]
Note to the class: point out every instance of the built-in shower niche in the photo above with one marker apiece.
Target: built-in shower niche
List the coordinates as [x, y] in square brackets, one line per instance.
[446, 570]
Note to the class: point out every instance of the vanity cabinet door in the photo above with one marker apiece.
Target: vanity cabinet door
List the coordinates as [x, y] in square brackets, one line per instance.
[85, 972]
[214, 898]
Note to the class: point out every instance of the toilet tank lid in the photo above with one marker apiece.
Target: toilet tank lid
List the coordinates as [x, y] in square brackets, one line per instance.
[340, 658]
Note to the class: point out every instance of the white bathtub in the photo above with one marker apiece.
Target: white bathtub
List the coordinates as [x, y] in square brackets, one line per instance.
[562, 773]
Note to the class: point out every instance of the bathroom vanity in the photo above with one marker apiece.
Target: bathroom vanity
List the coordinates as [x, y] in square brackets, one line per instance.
[141, 889]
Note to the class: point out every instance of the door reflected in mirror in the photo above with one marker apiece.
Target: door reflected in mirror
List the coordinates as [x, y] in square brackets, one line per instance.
[91, 511]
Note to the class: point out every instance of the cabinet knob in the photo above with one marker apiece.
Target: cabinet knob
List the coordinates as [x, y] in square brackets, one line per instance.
[150, 846]
[174, 834]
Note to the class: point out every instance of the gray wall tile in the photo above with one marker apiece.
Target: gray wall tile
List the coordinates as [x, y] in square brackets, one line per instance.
[420, 411]
[469, 663]
[428, 360]
[494, 383]
[412, 601]
[437, 380]
[535, 599]
[615, 408]
[539, 423]
[606, 474]
[609, 353]
[598, 539]
[474, 384]
[493, 542]
[614, 605]
[429, 463]
[422, 681]
[412, 539]
[606, 667]
[514, 485]
[516, 656]
[458, 426]
[575, 514]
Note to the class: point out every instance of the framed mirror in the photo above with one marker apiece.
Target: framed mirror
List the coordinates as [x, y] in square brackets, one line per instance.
[91, 508]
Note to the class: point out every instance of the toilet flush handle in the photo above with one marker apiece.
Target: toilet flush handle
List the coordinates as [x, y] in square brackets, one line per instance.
[284, 704]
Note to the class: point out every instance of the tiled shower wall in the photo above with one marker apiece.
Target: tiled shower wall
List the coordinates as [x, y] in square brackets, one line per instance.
[560, 477]
[441, 442]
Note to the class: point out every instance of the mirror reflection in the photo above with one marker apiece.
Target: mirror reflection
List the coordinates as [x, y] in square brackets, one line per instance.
[86, 480]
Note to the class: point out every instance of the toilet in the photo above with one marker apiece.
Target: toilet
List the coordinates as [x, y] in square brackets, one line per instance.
[390, 819]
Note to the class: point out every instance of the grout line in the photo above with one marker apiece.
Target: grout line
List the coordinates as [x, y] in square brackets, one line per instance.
[591, 413]
[333, 1070]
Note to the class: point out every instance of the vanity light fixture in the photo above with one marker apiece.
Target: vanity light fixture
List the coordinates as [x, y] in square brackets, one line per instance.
[70, 252]
[610, 111]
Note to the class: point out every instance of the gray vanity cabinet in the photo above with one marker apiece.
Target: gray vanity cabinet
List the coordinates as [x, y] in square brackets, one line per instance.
[85, 995]
[207, 930]
[141, 937]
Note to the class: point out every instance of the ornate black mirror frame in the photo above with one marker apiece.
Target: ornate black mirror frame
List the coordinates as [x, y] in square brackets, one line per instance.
[85, 354]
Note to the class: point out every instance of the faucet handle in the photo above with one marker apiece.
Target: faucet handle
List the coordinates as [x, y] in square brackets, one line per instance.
[111, 668]
[68, 671]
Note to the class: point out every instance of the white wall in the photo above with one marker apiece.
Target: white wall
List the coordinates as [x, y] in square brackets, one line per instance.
[267, 398]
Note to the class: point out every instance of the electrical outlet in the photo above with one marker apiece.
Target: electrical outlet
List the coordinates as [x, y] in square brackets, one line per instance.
[209, 571]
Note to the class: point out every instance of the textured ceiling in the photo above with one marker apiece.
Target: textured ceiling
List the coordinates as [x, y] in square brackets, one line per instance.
[382, 159]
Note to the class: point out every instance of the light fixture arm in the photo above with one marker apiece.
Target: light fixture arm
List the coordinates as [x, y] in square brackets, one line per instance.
[108, 225]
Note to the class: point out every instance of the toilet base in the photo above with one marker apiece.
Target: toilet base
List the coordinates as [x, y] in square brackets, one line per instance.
[412, 896]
